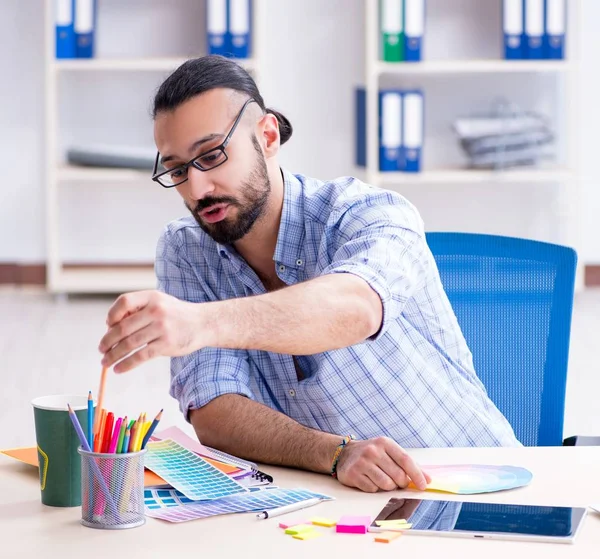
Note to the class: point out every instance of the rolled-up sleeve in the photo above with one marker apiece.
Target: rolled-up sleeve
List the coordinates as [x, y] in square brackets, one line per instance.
[199, 377]
[381, 240]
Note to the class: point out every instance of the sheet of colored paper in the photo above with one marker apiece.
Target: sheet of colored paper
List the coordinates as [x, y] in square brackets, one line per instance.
[177, 435]
[467, 479]
[26, 455]
[189, 473]
[173, 506]
[29, 455]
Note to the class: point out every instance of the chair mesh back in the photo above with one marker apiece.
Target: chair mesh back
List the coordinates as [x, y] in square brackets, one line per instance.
[513, 300]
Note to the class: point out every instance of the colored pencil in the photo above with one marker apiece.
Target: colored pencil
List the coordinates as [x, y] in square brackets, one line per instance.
[100, 398]
[132, 437]
[90, 418]
[126, 439]
[98, 435]
[97, 473]
[138, 437]
[115, 437]
[151, 429]
[121, 435]
[107, 433]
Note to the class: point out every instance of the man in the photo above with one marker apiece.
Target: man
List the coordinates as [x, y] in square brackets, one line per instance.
[297, 312]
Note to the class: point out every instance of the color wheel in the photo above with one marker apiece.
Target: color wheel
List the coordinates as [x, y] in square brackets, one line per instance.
[465, 479]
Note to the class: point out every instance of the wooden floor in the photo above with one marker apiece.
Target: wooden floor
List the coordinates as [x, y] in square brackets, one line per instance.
[49, 345]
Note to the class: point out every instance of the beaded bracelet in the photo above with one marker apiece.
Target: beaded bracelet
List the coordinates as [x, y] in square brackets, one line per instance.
[338, 451]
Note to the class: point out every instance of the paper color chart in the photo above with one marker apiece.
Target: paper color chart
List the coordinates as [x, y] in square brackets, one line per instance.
[468, 479]
[188, 472]
[172, 506]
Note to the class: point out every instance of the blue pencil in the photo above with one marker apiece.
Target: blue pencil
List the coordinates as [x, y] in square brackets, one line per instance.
[98, 474]
[90, 420]
[126, 439]
[151, 429]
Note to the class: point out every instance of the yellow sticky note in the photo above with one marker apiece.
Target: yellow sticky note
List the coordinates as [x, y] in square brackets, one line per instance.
[308, 535]
[387, 537]
[292, 530]
[326, 522]
[390, 522]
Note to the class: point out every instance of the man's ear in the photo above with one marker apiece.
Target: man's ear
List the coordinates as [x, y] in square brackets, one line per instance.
[270, 134]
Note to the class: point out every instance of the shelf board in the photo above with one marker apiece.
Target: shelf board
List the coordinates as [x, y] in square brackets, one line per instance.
[107, 279]
[471, 66]
[136, 64]
[102, 174]
[462, 176]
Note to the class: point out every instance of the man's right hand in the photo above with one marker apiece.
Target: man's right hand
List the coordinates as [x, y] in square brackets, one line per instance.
[379, 464]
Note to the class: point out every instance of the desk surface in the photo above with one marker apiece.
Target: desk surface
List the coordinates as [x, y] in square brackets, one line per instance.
[567, 476]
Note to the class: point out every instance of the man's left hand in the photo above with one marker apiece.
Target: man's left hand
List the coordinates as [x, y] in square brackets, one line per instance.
[148, 324]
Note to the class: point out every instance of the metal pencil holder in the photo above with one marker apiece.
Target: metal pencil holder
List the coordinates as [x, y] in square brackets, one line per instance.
[112, 490]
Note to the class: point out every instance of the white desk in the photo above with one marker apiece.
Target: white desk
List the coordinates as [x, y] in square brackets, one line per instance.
[567, 476]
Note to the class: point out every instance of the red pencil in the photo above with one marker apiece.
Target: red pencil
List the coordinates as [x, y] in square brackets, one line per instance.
[107, 435]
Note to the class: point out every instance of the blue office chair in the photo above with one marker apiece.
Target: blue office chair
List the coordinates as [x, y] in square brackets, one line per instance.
[514, 299]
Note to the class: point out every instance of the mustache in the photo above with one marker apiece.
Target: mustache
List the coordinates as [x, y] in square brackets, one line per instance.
[207, 202]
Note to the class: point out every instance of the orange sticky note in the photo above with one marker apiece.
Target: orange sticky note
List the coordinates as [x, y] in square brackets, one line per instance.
[387, 537]
[308, 535]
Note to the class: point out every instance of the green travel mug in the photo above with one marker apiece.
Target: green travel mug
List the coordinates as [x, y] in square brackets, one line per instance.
[57, 444]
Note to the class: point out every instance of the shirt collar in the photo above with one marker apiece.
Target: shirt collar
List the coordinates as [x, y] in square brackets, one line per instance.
[289, 249]
[290, 237]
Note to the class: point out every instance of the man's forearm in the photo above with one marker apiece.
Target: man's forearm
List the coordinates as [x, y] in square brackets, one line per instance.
[329, 312]
[245, 428]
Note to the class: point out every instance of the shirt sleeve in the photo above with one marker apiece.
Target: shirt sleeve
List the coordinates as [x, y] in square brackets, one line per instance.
[380, 238]
[199, 377]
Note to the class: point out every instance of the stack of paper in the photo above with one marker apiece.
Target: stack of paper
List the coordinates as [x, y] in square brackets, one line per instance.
[506, 137]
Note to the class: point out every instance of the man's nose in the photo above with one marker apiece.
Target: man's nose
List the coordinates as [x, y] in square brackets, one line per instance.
[200, 184]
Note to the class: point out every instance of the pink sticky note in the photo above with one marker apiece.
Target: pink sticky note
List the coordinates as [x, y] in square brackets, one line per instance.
[353, 524]
[285, 524]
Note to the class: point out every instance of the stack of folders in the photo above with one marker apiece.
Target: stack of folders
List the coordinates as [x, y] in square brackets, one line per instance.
[534, 29]
[229, 27]
[75, 23]
[401, 29]
[401, 124]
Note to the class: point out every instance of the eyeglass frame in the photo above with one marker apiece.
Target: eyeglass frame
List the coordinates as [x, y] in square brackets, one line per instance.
[192, 162]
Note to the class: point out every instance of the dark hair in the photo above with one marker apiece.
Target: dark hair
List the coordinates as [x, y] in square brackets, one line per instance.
[200, 75]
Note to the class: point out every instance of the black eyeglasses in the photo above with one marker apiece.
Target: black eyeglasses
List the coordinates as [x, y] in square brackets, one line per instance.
[204, 162]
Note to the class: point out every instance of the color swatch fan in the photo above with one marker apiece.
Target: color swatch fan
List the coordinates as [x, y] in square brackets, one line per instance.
[475, 478]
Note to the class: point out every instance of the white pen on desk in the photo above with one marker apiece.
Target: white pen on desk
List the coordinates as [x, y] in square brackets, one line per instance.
[288, 508]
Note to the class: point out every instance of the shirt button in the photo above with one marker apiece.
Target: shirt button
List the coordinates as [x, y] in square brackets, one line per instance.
[282, 268]
[292, 392]
[299, 262]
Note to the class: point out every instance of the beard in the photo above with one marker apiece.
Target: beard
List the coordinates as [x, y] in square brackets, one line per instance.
[250, 206]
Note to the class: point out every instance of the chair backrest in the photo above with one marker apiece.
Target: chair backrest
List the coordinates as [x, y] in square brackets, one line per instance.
[514, 300]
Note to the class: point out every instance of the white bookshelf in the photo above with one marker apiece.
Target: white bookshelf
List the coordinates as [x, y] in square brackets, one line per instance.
[105, 276]
[440, 71]
[471, 67]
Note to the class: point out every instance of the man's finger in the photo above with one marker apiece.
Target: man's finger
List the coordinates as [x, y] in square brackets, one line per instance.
[141, 356]
[138, 339]
[398, 455]
[126, 327]
[364, 483]
[127, 304]
[380, 478]
[394, 471]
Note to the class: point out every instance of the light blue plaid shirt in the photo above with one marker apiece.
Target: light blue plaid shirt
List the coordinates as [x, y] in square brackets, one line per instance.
[413, 381]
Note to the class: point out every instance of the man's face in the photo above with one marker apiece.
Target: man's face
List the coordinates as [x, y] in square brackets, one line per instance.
[225, 201]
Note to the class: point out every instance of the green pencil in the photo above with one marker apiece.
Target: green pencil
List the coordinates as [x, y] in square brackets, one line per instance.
[121, 436]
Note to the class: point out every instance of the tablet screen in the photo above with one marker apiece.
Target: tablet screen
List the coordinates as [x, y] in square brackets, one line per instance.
[483, 518]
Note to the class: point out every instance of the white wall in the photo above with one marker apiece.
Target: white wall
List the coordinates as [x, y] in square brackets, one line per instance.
[313, 56]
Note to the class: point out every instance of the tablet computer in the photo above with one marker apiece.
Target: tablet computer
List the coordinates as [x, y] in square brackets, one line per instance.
[483, 520]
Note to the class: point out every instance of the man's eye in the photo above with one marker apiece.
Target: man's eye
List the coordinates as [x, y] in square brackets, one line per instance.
[177, 173]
